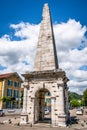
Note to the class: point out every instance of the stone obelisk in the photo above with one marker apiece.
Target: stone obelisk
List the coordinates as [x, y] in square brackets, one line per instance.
[46, 77]
[46, 57]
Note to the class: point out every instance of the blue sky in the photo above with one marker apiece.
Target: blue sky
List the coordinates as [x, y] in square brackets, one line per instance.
[15, 11]
[19, 28]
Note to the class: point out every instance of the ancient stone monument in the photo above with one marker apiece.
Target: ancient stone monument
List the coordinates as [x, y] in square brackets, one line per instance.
[46, 77]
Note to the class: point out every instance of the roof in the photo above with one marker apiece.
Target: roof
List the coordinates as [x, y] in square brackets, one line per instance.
[6, 75]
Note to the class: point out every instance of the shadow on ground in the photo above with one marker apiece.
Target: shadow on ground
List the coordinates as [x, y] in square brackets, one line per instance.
[73, 120]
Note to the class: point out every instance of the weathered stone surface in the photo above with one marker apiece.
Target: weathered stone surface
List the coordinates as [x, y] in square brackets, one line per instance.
[46, 57]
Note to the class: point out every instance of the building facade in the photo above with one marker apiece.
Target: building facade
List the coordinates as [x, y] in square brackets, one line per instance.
[10, 90]
[47, 77]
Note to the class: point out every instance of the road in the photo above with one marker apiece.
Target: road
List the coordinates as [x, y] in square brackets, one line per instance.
[12, 123]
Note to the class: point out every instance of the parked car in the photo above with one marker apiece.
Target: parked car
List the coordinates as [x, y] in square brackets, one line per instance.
[79, 112]
[46, 111]
[2, 113]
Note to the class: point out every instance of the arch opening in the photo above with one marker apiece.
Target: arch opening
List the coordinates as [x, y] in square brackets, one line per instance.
[42, 106]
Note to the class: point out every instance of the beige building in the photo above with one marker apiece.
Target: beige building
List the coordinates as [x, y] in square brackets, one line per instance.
[10, 90]
[46, 78]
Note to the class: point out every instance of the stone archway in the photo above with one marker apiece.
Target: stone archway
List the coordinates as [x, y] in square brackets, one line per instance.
[40, 105]
[35, 87]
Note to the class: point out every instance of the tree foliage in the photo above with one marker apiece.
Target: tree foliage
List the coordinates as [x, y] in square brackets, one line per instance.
[85, 97]
[75, 103]
[8, 99]
[4, 99]
[73, 95]
[75, 99]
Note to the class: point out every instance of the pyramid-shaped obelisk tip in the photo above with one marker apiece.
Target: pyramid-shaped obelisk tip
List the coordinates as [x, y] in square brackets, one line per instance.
[46, 5]
[45, 11]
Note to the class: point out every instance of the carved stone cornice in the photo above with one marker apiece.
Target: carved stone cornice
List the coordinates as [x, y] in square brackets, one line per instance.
[53, 74]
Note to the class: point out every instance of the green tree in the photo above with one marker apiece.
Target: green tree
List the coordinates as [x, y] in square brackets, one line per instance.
[73, 95]
[85, 97]
[75, 103]
[8, 99]
[4, 101]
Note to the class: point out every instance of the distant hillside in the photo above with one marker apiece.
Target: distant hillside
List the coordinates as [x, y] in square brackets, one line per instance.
[73, 95]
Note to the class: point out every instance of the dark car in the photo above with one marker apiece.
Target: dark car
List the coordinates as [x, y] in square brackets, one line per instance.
[2, 112]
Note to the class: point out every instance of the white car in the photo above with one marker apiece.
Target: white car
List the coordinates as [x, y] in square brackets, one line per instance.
[79, 112]
[46, 111]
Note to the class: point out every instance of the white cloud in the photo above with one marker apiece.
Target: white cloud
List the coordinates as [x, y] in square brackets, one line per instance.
[26, 30]
[15, 52]
[19, 55]
[73, 59]
[80, 75]
[78, 87]
[69, 35]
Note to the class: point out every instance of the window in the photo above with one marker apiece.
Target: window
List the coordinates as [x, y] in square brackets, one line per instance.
[47, 94]
[10, 83]
[48, 100]
[16, 93]
[9, 92]
[16, 84]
